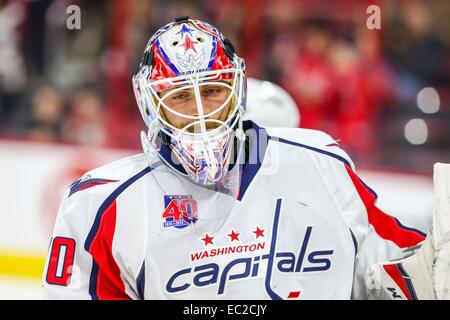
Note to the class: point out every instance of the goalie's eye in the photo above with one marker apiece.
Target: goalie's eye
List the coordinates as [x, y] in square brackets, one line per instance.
[212, 91]
[181, 96]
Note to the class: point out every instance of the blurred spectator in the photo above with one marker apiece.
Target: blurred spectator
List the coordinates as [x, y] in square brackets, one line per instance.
[73, 58]
[46, 115]
[281, 38]
[310, 79]
[84, 123]
[363, 83]
[12, 71]
[414, 48]
[379, 73]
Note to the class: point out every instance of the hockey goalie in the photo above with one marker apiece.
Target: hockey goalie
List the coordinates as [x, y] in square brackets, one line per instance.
[221, 208]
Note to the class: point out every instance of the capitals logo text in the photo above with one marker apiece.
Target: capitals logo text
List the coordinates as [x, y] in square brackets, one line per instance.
[304, 261]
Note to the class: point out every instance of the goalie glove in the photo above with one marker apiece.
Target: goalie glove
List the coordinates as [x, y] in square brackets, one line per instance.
[440, 231]
[424, 273]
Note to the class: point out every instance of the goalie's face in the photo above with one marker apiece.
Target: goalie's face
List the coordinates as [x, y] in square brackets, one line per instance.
[191, 91]
[184, 102]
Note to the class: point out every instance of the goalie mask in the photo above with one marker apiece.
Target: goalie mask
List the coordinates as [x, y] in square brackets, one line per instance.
[191, 91]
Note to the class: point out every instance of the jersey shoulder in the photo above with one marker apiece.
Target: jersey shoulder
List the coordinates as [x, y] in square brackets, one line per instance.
[318, 143]
[112, 174]
[90, 193]
[121, 168]
[87, 194]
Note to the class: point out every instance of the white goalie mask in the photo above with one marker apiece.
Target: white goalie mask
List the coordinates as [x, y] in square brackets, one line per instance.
[191, 92]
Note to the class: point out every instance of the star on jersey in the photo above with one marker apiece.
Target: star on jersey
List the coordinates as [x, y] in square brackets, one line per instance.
[259, 232]
[207, 239]
[233, 236]
[185, 29]
[189, 44]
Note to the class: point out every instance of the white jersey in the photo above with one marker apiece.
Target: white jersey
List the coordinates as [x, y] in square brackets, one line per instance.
[303, 227]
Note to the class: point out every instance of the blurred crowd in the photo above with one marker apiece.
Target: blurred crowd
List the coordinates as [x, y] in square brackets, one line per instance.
[383, 93]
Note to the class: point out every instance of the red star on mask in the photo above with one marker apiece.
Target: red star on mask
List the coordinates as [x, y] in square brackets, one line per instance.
[234, 236]
[189, 44]
[208, 240]
[259, 232]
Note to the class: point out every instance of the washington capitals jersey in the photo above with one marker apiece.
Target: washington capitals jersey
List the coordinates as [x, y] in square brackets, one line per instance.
[303, 226]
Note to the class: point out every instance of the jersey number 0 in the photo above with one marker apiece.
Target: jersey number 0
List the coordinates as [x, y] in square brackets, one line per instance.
[61, 260]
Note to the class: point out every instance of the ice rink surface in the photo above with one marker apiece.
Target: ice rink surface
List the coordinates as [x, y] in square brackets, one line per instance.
[14, 288]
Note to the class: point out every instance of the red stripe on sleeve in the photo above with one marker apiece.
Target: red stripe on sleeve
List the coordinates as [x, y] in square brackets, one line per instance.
[109, 283]
[386, 226]
[366, 196]
[394, 273]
